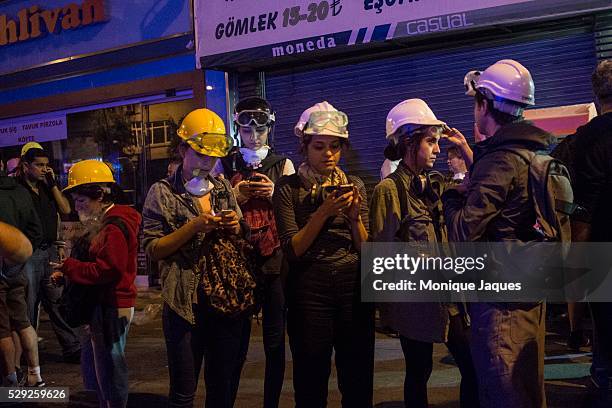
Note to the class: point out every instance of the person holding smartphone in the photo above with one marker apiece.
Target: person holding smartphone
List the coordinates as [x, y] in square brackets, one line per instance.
[104, 260]
[181, 214]
[406, 206]
[322, 219]
[252, 170]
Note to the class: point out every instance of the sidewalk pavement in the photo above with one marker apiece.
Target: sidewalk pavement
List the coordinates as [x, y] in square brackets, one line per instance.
[567, 384]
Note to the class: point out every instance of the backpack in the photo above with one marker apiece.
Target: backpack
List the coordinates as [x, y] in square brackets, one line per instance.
[551, 191]
[228, 274]
[227, 269]
[78, 302]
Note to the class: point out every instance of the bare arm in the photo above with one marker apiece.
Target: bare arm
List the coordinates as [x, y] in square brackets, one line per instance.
[63, 205]
[15, 248]
[169, 244]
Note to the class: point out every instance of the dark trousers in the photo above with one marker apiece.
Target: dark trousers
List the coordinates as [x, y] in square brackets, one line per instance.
[419, 364]
[325, 315]
[274, 317]
[507, 344]
[222, 343]
[602, 344]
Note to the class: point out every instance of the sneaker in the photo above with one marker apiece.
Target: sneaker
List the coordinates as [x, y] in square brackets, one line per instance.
[576, 340]
[600, 379]
[38, 384]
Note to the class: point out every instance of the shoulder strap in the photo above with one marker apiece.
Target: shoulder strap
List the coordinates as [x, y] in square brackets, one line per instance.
[402, 193]
[119, 223]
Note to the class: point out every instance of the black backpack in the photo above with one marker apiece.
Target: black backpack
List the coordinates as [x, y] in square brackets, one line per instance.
[78, 302]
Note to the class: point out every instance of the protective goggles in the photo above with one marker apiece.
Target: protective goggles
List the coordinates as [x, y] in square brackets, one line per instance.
[470, 82]
[255, 118]
[321, 119]
[210, 144]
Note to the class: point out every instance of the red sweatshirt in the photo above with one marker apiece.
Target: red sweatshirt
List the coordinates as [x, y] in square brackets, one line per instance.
[115, 260]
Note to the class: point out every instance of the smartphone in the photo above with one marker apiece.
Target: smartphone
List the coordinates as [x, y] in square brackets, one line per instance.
[226, 213]
[340, 190]
[256, 179]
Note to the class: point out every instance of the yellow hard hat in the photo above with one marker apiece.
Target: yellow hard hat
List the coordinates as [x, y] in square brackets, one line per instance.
[205, 133]
[30, 145]
[89, 171]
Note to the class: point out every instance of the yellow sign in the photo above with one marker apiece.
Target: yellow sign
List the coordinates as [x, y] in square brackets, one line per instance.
[32, 22]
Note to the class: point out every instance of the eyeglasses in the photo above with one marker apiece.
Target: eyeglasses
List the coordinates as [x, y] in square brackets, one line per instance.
[253, 117]
[318, 120]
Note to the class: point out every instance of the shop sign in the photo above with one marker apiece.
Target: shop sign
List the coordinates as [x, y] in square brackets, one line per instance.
[35, 33]
[236, 31]
[33, 130]
[33, 22]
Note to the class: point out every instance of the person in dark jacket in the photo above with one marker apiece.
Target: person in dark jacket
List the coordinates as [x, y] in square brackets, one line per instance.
[415, 132]
[17, 210]
[109, 263]
[592, 168]
[253, 169]
[495, 206]
[322, 219]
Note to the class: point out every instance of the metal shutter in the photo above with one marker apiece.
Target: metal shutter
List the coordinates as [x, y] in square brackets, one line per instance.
[561, 61]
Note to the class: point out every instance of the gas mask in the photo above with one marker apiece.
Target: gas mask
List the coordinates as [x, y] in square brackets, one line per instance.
[253, 158]
[199, 184]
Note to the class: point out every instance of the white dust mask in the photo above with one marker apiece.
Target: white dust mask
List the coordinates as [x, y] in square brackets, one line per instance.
[254, 157]
[199, 184]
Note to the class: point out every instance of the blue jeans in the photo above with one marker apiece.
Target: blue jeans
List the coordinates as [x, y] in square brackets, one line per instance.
[103, 362]
[41, 290]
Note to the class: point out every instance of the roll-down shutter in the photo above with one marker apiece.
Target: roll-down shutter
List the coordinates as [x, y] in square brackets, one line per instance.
[560, 60]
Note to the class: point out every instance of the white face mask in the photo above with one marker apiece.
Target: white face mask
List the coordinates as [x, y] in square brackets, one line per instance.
[254, 157]
[199, 184]
[88, 219]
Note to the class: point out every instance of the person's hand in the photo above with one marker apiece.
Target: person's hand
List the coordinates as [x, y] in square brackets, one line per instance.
[335, 204]
[256, 189]
[230, 221]
[353, 211]
[61, 254]
[206, 223]
[454, 136]
[50, 177]
[57, 278]
[261, 189]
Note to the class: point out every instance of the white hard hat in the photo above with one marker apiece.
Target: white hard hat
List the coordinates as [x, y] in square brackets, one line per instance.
[12, 164]
[413, 112]
[332, 126]
[509, 85]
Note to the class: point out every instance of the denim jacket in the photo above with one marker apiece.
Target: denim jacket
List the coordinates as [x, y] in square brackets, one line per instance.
[168, 207]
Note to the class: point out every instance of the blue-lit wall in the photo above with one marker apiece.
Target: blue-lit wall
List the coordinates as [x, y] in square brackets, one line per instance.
[128, 22]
